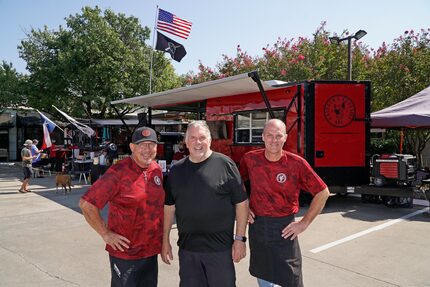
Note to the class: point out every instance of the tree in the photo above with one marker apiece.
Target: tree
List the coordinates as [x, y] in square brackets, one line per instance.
[397, 71]
[289, 60]
[11, 87]
[98, 58]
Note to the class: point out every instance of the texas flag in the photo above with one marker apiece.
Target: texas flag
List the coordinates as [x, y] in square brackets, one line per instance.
[48, 127]
[46, 143]
[50, 124]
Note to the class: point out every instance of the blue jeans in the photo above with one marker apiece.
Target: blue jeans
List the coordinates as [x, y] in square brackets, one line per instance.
[264, 283]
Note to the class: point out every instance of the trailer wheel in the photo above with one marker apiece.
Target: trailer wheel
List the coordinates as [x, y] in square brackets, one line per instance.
[392, 201]
[379, 181]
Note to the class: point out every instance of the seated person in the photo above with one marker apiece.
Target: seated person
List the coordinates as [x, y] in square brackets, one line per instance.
[181, 153]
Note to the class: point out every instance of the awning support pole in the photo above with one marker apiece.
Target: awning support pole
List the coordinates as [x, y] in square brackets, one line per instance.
[254, 75]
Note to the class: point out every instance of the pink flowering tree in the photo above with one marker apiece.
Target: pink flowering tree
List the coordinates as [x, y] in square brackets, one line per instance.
[397, 70]
[289, 60]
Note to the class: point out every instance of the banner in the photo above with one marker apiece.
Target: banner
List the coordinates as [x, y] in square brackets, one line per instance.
[165, 44]
[83, 128]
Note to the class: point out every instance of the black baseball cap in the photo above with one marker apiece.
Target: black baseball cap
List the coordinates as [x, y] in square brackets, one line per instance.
[144, 134]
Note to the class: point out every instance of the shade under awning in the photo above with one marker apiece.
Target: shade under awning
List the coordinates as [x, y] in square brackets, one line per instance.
[6, 120]
[235, 85]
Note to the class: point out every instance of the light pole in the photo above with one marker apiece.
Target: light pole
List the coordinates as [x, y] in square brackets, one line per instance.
[336, 40]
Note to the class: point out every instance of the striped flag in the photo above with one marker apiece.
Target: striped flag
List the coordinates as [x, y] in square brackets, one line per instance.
[48, 127]
[169, 23]
[46, 143]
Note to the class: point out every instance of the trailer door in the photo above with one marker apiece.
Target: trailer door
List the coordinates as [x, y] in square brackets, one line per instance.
[341, 131]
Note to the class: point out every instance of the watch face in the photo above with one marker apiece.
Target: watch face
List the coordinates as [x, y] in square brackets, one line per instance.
[339, 111]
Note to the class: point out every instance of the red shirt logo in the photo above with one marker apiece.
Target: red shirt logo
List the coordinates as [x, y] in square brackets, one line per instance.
[157, 180]
[281, 177]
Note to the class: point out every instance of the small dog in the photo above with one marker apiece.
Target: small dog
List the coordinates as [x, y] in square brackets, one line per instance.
[64, 180]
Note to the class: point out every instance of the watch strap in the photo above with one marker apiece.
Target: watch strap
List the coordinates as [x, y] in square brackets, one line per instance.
[240, 238]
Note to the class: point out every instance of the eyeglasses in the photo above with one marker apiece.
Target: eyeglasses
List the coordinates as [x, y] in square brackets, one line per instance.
[147, 145]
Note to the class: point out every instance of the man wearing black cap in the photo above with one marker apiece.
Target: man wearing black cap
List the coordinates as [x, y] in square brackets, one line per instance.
[133, 187]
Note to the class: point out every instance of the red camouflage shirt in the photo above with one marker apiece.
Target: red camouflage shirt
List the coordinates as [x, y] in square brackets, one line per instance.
[275, 186]
[136, 201]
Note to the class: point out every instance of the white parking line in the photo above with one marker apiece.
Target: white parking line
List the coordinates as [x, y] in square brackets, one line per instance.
[367, 231]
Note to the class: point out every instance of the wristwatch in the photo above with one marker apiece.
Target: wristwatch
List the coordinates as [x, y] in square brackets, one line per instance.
[240, 238]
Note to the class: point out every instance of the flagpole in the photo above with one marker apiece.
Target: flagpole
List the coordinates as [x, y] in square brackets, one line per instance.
[152, 51]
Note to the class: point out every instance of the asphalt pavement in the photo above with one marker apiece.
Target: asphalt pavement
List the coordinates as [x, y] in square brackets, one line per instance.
[45, 241]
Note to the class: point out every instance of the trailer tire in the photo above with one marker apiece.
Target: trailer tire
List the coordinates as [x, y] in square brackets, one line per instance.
[402, 202]
[379, 181]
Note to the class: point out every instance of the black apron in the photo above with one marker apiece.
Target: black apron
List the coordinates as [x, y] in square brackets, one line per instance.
[274, 258]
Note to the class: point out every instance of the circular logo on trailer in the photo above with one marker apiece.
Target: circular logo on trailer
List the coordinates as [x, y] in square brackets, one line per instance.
[146, 133]
[281, 177]
[339, 111]
[157, 180]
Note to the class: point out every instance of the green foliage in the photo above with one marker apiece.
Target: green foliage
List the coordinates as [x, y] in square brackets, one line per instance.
[383, 146]
[397, 71]
[289, 60]
[12, 87]
[100, 57]
[389, 144]
[400, 70]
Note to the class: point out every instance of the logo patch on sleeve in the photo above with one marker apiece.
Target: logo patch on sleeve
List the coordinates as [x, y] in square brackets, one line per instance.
[157, 180]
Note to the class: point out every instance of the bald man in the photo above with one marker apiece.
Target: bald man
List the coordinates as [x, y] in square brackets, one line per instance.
[275, 178]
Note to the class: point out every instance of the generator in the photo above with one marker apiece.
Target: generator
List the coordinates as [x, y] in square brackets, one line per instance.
[393, 169]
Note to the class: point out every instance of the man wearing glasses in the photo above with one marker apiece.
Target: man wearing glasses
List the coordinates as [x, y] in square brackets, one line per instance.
[133, 187]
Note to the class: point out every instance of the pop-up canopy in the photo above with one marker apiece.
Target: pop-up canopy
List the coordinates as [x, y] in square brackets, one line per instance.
[414, 112]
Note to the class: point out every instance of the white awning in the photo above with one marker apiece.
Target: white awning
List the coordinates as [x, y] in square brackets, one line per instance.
[133, 122]
[235, 85]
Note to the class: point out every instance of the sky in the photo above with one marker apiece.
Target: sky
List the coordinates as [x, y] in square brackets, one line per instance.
[219, 26]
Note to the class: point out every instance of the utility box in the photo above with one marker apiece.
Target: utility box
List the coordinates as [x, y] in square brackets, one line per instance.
[394, 169]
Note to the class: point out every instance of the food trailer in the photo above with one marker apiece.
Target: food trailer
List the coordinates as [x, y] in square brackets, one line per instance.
[328, 122]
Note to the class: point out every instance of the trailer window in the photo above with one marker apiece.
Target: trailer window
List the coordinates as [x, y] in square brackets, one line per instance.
[218, 129]
[249, 125]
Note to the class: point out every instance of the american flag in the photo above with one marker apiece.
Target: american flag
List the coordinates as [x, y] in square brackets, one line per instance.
[169, 23]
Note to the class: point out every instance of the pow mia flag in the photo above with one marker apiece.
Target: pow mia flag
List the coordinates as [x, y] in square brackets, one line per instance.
[165, 44]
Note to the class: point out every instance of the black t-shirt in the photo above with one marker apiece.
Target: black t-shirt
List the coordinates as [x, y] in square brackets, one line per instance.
[204, 195]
